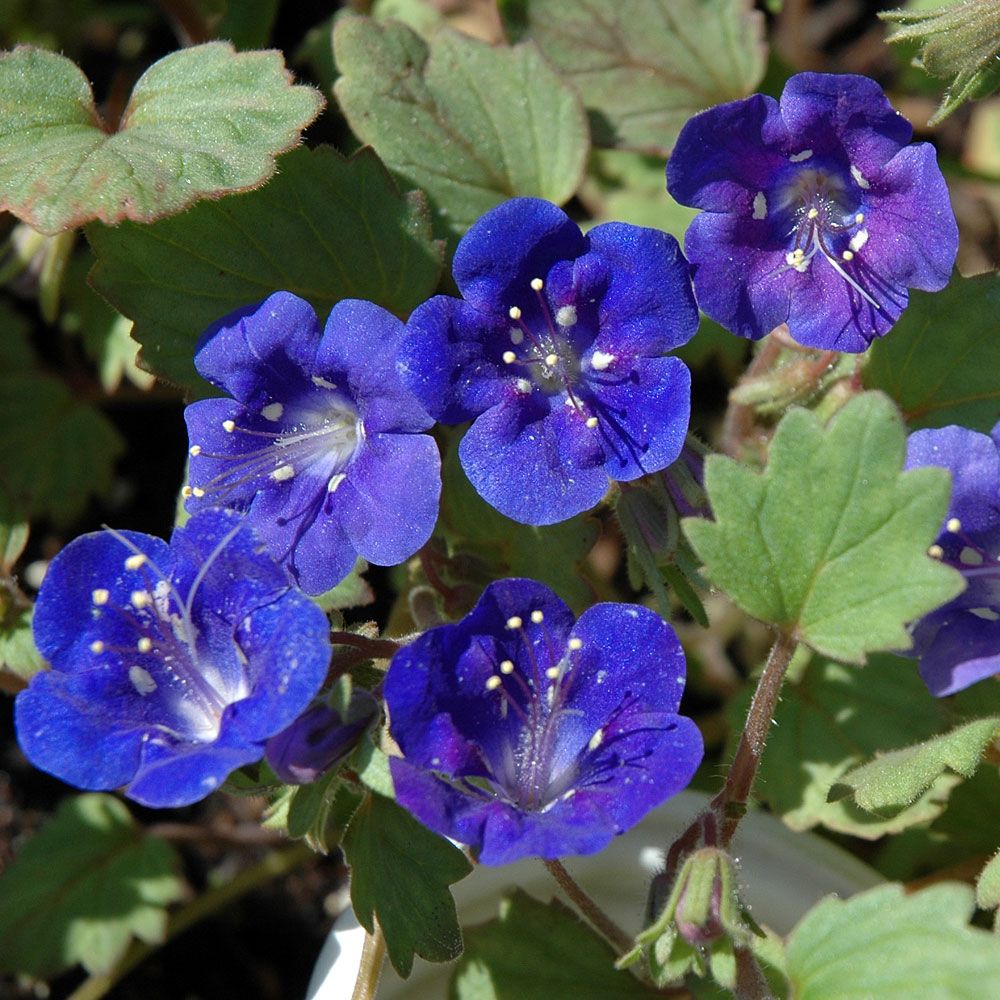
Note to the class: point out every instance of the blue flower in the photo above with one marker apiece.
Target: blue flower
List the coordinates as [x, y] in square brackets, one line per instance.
[320, 445]
[817, 212]
[525, 734]
[959, 643]
[171, 664]
[555, 351]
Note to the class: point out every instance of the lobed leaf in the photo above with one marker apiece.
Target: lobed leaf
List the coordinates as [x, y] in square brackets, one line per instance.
[468, 123]
[830, 541]
[890, 782]
[400, 873]
[82, 888]
[833, 718]
[644, 67]
[200, 123]
[940, 362]
[537, 951]
[886, 943]
[326, 228]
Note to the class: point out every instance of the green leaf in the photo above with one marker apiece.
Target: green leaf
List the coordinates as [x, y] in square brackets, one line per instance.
[13, 535]
[539, 951]
[551, 554]
[18, 653]
[941, 361]
[400, 873]
[644, 67]
[55, 451]
[326, 228]
[200, 123]
[352, 592]
[830, 541]
[988, 885]
[82, 888]
[832, 719]
[893, 780]
[886, 943]
[468, 123]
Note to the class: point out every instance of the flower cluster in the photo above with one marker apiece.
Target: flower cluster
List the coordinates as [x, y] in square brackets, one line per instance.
[320, 445]
[959, 643]
[816, 212]
[172, 665]
[524, 733]
[555, 351]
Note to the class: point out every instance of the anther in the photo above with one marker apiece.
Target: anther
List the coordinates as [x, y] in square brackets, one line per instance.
[141, 598]
[134, 562]
[187, 492]
[97, 646]
[575, 643]
[936, 552]
[509, 357]
[145, 644]
[847, 255]
[493, 682]
[100, 596]
[537, 284]
[551, 360]
[229, 426]
[954, 525]
[591, 422]
[195, 449]
[859, 218]
[537, 617]
[812, 213]
[514, 312]
[552, 673]
[506, 666]
[514, 622]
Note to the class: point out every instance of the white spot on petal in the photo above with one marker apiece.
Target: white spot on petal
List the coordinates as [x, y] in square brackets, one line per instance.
[141, 680]
[566, 316]
[859, 178]
[799, 157]
[599, 360]
[273, 411]
[596, 740]
[859, 239]
[759, 205]
[335, 481]
[283, 473]
[322, 383]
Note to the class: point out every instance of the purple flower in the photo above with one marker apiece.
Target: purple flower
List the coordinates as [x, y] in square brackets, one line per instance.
[525, 734]
[817, 212]
[959, 643]
[171, 664]
[320, 444]
[555, 351]
[319, 739]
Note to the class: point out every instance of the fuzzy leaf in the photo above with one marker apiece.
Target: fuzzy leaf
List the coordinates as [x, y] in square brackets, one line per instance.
[400, 873]
[18, 653]
[326, 228]
[200, 123]
[941, 361]
[988, 884]
[832, 719]
[887, 943]
[830, 541]
[537, 951]
[470, 124]
[644, 67]
[890, 782]
[82, 888]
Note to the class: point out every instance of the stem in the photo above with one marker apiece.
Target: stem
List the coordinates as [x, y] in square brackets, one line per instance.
[619, 939]
[372, 959]
[376, 649]
[730, 804]
[274, 864]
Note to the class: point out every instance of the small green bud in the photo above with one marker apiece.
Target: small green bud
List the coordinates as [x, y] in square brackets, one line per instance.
[960, 43]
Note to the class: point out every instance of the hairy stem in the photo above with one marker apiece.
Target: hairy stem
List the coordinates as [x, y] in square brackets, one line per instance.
[372, 959]
[376, 649]
[270, 867]
[621, 941]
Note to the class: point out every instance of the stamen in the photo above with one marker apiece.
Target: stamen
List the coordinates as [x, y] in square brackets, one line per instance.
[936, 552]
[954, 525]
[100, 596]
[537, 617]
[575, 644]
[141, 599]
[493, 682]
[506, 666]
[187, 492]
[97, 646]
[194, 450]
[591, 422]
[229, 426]
[509, 357]
[514, 312]
[145, 644]
[552, 673]
[514, 622]
[812, 213]
[551, 360]
[847, 255]
[537, 284]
